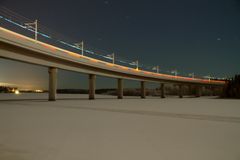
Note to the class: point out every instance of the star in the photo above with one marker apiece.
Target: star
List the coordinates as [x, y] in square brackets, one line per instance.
[106, 2]
[127, 17]
[219, 39]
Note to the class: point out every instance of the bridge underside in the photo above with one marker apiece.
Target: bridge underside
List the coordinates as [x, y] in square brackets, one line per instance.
[12, 52]
[37, 55]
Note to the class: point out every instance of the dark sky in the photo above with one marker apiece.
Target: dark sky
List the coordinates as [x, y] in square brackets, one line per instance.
[200, 36]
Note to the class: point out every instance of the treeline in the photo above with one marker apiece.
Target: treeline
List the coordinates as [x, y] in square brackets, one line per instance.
[170, 89]
[232, 88]
[4, 89]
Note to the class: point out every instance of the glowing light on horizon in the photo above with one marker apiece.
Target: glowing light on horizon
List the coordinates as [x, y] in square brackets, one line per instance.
[39, 91]
[16, 92]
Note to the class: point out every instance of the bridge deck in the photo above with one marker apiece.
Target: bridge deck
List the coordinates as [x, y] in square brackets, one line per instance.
[18, 47]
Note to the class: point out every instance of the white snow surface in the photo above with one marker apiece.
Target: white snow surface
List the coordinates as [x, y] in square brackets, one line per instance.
[75, 128]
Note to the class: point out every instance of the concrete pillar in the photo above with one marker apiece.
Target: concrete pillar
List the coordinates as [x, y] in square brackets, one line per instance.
[162, 90]
[213, 90]
[120, 88]
[203, 90]
[198, 91]
[52, 88]
[180, 92]
[221, 90]
[91, 92]
[189, 90]
[143, 90]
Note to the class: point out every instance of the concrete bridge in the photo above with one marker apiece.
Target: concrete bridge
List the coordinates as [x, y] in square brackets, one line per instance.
[18, 47]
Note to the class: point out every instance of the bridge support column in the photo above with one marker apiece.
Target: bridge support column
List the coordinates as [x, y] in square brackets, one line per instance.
[52, 88]
[203, 90]
[198, 91]
[213, 91]
[143, 90]
[92, 80]
[162, 90]
[221, 90]
[190, 92]
[120, 88]
[180, 92]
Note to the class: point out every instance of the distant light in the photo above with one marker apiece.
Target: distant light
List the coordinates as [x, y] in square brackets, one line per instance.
[17, 92]
[39, 91]
[219, 39]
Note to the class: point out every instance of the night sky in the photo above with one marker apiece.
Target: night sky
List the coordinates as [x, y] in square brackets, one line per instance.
[200, 36]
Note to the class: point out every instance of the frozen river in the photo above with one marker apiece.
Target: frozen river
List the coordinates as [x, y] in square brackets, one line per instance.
[74, 128]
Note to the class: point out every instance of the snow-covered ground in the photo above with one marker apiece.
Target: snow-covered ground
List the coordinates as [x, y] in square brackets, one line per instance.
[75, 128]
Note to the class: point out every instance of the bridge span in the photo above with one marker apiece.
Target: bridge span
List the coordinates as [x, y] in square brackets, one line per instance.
[18, 47]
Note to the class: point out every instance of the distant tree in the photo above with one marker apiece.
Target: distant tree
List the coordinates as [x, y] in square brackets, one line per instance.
[4, 89]
[232, 88]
